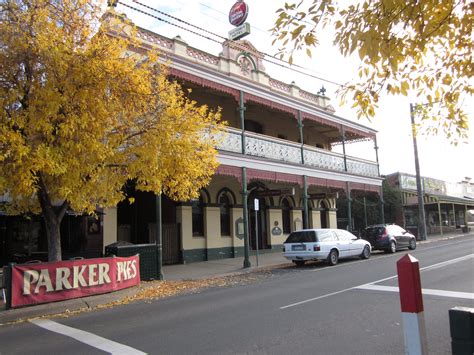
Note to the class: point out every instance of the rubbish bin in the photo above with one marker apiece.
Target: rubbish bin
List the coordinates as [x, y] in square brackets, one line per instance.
[413, 230]
[147, 252]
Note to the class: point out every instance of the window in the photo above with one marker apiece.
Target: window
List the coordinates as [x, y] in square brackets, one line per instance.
[286, 216]
[198, 217]
[302, 237]
[326, 236]
[224, 203]
[345, 236]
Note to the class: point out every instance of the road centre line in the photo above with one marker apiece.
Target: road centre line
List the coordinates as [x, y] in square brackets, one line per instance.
[86, 337]
[424, 291]
[444, 263]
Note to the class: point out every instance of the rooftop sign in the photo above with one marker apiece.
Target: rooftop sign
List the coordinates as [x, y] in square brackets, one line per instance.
[238, 13]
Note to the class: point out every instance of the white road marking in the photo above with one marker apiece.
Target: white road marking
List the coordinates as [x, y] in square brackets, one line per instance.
[87, 338]
[434, 266]
[316, 298]
[424, 291]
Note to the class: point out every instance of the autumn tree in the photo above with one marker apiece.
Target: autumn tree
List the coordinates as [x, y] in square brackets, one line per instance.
[82, 113]
[423, 48]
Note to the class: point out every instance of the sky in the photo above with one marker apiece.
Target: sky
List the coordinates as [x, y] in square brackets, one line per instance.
[438, 158]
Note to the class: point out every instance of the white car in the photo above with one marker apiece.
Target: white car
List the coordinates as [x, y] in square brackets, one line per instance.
[324, 244]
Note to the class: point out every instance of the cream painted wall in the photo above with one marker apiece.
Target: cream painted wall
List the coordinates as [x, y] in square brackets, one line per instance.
[184, 216]
[332, 219]
[315, 219]
[213, 229]
[296, 215]
[274, 215]
[109, 226]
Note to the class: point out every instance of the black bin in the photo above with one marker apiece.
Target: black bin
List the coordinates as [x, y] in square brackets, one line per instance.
[147, 252]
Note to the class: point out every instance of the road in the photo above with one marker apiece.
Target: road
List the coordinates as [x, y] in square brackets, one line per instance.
[352, 308]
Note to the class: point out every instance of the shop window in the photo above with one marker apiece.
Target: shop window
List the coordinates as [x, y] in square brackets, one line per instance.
[286, 216]
[198, 217]
[224, 203]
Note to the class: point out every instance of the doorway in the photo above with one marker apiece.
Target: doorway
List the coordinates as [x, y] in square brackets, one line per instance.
[324, 215]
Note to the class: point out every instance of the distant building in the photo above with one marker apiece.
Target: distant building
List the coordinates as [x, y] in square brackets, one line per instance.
[448, 206]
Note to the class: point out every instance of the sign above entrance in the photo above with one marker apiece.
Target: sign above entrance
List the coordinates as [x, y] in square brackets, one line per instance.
[238, 13]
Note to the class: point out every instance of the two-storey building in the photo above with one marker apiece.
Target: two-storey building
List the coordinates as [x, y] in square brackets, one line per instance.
[278, 150]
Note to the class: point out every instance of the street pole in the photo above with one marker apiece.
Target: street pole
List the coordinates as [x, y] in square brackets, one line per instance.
[246, 223]
[419, 191]
[256, 208]
[158, 239]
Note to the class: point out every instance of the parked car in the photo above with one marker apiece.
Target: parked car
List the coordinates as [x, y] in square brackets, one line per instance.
[389, 237]
[324, 244]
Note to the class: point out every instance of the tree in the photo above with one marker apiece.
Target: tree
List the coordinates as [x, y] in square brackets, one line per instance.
[82, 113]
[405, 47]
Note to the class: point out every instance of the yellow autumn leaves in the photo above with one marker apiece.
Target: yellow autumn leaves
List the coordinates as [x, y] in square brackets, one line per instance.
[421, 48]
[84, 108]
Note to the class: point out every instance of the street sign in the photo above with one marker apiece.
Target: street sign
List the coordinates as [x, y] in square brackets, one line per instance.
[239, 32]
[255, 204]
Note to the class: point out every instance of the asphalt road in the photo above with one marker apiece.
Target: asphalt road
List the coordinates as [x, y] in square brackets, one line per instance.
[347, 309]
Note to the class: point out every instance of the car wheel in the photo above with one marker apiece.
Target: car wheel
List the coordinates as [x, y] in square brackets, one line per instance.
[393, 247]
[299, 263]
[365, 253]
[412, 245]
[333, 257]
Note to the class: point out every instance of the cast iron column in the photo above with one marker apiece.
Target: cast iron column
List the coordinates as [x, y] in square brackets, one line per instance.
[246, 221]
[349, 206]
[300, 129]
[343, 137]
[242, 118]
[158, 239]
[305, 202]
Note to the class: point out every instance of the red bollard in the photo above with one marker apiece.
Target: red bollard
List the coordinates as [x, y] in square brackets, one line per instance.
[411, 301]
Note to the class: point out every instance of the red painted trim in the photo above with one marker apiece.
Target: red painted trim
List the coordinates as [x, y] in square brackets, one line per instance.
[409, 283]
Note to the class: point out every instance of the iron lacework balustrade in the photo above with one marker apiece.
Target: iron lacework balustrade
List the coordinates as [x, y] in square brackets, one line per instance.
[285, 151]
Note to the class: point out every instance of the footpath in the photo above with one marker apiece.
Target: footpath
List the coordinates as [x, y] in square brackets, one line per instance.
[184, 273]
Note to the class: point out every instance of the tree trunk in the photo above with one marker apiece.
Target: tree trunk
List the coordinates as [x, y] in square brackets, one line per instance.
[54, 238]
[53, 216]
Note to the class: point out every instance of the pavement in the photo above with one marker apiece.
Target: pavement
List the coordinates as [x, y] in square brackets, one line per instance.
[192, 271]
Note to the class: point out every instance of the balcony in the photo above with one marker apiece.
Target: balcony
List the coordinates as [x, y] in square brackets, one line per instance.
[281, 150]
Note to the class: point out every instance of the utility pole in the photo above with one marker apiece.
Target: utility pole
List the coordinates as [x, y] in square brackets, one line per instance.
[419, 189]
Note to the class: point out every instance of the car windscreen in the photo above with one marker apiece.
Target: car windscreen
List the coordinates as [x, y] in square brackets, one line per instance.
[301, 237]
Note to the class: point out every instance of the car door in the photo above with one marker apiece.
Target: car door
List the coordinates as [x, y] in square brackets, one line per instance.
[343, 243]
[397, 233]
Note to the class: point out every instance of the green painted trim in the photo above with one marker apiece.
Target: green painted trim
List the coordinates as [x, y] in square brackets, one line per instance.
[196, 255]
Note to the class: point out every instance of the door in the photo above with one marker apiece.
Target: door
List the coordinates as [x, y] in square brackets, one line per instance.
[344, 243]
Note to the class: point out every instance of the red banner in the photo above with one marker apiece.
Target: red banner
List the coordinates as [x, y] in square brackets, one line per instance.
[57, 281]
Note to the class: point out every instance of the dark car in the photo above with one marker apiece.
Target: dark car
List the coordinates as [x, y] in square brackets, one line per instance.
[389, 237]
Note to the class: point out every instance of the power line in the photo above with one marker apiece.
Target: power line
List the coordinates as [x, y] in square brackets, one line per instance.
[234, 43]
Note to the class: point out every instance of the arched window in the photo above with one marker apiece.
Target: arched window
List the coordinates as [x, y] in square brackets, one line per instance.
[286, 216]
[198, 217]
[224, 204]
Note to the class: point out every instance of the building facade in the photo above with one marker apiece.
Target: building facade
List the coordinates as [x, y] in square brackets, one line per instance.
[277, 153]
[449, 207]
[277, 150]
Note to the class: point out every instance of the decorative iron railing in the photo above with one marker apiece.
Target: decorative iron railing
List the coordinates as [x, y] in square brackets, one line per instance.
[282, 150]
